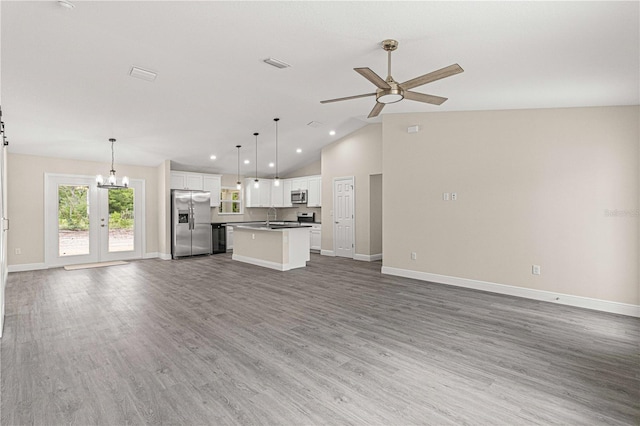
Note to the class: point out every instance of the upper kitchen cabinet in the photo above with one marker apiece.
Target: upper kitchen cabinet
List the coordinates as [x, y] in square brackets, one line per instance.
[198, 182]
[299, 183]
[314, 192]
[277, 194]
[260, 196]
[286, 193]
[212, 183]
[186, 180]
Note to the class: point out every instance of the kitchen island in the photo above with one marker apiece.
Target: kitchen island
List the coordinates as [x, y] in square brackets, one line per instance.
[277, 246]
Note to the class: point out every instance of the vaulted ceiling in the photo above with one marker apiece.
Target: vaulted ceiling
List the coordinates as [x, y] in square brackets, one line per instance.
[66, 87]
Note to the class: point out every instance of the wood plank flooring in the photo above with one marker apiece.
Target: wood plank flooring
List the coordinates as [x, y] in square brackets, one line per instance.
[211, 341]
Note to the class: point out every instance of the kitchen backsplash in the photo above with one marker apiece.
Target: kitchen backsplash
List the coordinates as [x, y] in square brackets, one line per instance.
[260, 214]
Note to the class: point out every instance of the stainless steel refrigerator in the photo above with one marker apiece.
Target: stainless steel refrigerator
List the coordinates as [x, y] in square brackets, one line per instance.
[190, 223]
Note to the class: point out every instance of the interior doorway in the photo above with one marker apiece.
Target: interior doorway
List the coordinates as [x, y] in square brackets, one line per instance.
[86, 224]
[343, 217]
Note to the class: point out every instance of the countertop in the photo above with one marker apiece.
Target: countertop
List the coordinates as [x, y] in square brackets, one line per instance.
[273, 226]
[264, 222]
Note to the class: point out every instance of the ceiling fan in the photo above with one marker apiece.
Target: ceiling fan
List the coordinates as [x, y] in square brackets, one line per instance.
[390, 91]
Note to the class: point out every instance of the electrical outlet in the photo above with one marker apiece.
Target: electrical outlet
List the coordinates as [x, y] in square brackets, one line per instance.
[414, 255]
[18, 251]
[253, 236]
[535, 269]
[445, 196]
[454, 196]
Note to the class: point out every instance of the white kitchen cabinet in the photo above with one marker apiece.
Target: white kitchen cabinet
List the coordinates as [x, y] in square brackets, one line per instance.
[229, 238]
[277, 194]
[286, 193]
[186, 180]
[299, 183]
[314, 194]
[315, 234]
[260, 196]
[212, 184]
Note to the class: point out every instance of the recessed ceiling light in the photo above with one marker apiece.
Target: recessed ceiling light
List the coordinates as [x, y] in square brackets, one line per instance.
[298, 150]
[271, 164]
[246, 161]
[213, 157]
[66, 4]
[142, 74]
[332, 133]
[276, 63]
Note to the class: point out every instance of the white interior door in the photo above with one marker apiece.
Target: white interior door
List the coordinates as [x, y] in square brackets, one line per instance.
[343, 217]
[86, 224]
[4, 269]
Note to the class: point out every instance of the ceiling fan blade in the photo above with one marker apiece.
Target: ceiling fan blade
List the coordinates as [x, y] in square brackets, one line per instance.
[347, 98]
[432, 76]
[422, 97]
[372, 77]
[376, 110]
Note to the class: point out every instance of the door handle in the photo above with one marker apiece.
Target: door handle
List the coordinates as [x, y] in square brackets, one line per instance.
[337, 222]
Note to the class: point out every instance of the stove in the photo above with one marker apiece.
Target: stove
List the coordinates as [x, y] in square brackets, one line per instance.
[304, 217]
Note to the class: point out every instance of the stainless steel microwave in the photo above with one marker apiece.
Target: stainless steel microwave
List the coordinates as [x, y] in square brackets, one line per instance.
[299, 196]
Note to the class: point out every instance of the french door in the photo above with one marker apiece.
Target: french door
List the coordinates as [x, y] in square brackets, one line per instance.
[86, 224]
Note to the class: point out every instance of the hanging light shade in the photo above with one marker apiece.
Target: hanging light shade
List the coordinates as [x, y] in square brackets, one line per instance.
[276, 181]
[112, 181]
[256, 182]
[238, 183]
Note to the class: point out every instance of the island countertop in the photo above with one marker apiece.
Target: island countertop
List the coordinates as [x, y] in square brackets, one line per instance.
[273, 226]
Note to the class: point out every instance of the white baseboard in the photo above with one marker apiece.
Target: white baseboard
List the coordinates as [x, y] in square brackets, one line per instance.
[367, 257]
[156, 255]
[546, 296]
[328, 253]
[27, 267]
[265, 263]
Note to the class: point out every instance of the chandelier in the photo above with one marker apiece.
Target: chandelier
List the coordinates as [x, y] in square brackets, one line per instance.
[112, 182]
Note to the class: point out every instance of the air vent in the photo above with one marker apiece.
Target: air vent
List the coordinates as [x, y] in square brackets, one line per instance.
[314, 124]
[276, 63]
[142, 74]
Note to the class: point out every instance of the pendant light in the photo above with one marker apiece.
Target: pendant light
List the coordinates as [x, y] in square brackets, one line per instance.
[112, 182]
[256, 183]
[238, 183]
[276, 181]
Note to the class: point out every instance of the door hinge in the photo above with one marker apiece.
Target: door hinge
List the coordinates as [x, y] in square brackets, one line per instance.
[352, 245]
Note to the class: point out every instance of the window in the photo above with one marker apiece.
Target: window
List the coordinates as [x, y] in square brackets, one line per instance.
[230, 201]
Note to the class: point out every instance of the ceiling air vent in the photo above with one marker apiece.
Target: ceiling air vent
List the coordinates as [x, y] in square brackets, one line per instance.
[314, 124]
[276, 63]
[142, 74]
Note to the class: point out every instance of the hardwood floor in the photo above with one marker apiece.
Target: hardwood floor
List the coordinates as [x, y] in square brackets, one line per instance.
[212, 341]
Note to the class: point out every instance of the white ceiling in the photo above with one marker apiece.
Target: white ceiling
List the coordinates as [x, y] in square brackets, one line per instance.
[66, 89]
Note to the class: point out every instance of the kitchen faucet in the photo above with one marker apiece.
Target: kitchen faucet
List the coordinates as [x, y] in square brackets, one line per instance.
[275, 214]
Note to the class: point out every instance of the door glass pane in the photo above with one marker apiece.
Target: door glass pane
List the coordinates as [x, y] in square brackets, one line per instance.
[121, 223]
[73, 220]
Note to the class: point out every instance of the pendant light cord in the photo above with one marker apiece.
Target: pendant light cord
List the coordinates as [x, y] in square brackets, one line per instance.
[256, 135]
[276, 120]
[238, 176]
[112, 153]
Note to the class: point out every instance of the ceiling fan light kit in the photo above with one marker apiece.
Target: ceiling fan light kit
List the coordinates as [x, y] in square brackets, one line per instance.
[390, 91]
